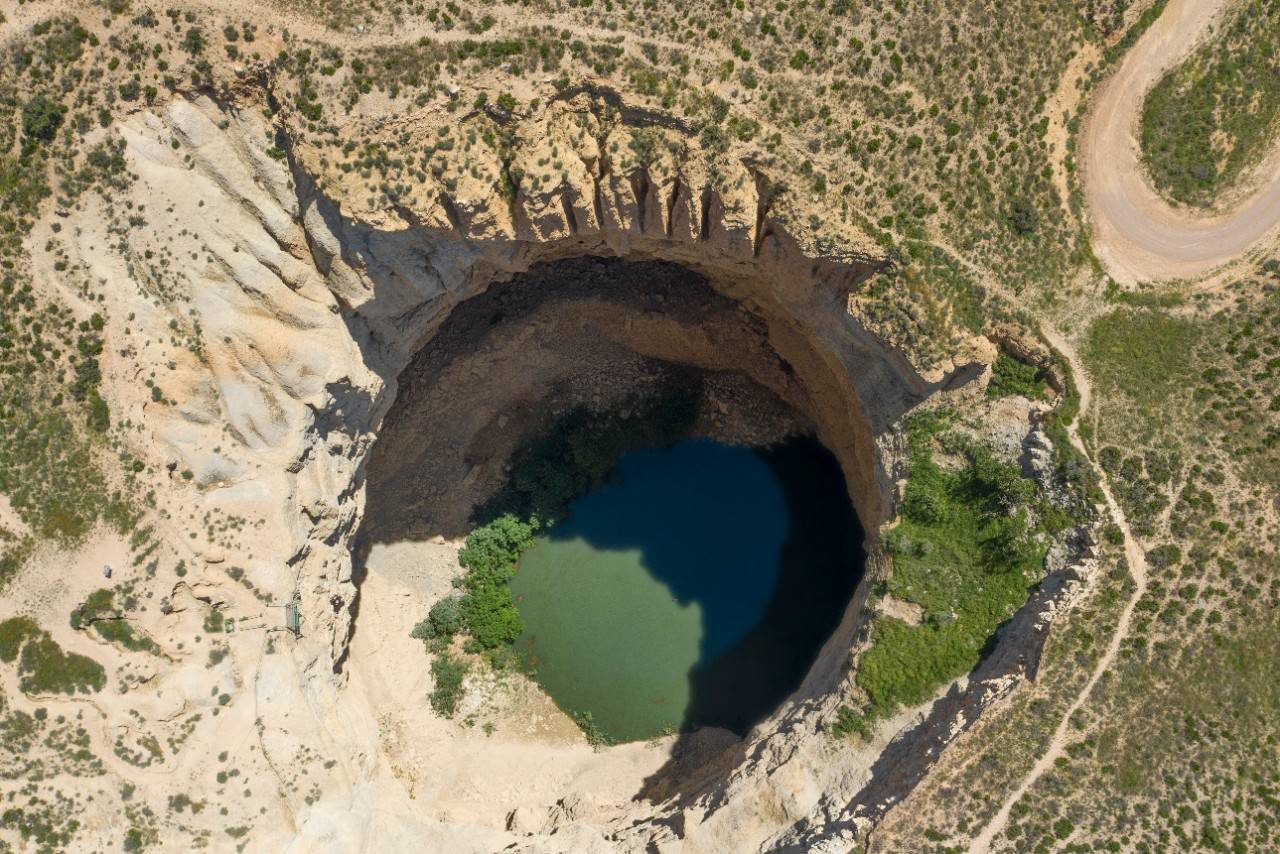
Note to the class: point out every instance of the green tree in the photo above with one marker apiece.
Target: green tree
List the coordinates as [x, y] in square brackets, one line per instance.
[491, 550]
[491, 616]
[41, 118]
[444, 620]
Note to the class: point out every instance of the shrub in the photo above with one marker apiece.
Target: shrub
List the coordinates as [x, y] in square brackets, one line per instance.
[214, 621]
[1164, 556]
[13, 633]
[491, 551]
[448, 673]
[1010, 376]
[43, 668]
[594, 733]
[444, 620]
[849, 721]
[193, 41]
[1023, 218]
[41, 118]
[491, 617]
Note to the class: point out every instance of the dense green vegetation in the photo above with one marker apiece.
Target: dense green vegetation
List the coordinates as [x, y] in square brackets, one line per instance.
[967, 549]
[43, 668]
[1217, 114]
[448, 673]
[1010, 376]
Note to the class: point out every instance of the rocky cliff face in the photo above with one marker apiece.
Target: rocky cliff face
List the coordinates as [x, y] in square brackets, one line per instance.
[303, 301]
[284, 296]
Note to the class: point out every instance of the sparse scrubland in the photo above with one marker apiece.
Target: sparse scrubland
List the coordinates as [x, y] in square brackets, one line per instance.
[932, 142]
[1211, 119]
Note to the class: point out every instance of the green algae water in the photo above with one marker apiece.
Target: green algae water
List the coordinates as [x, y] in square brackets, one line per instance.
[694, 589]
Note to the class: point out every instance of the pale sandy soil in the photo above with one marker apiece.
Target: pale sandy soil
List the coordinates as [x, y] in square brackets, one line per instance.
[147, 696]
[9, 520]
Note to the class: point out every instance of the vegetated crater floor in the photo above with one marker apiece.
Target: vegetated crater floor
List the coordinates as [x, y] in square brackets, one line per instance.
[610, 335]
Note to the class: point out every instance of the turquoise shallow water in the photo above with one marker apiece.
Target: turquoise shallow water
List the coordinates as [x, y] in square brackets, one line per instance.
[689, 590]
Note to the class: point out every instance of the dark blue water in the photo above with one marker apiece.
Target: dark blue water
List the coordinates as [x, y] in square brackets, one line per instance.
[693, 589]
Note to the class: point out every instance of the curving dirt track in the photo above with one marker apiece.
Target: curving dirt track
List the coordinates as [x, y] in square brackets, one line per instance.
[1137, 234]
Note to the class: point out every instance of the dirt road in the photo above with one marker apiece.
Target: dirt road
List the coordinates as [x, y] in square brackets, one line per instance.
[1137, 234]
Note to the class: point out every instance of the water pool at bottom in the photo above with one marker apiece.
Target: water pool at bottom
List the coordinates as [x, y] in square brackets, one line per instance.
[693, 589]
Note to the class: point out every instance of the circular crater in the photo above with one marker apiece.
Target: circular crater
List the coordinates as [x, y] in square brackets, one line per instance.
[716, 544]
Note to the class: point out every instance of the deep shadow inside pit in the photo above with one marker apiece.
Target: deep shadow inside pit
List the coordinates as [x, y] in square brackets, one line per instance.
[600, 335]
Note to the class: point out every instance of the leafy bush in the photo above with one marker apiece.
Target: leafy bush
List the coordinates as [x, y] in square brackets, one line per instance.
[448, 673]
[1010, 376]
[444, 620]
[41, 118]
[1023, 217]
[99, 610]
[491, 616]
[595, 734]
[13, 633]
[193, 41]
[491, 551]
[849, 721]
[487, 613]
[1164, 556]
[120, 631]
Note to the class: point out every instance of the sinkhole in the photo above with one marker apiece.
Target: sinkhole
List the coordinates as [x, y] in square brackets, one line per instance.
[697, 459]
